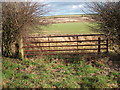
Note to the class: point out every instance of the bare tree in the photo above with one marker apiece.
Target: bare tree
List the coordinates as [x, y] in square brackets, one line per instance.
[108, 20]
[18, 19]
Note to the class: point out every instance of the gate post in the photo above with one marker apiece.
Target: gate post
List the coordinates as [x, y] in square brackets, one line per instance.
[21, 52]
[99, 44]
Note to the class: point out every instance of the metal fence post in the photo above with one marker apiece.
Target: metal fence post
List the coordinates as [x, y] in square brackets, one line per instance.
[99, 44]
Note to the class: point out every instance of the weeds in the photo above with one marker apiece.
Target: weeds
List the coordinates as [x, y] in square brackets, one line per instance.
[56, 73]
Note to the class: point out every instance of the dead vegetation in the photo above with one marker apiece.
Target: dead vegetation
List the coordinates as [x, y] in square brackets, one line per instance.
[69, 19]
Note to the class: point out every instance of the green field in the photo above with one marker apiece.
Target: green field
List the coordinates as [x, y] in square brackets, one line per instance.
[70, 28]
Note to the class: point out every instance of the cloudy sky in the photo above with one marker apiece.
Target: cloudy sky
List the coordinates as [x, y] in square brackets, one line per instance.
[67, 8]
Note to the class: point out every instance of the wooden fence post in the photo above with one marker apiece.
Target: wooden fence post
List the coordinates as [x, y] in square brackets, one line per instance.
[99, 44]
[21, 52]
[16, 50]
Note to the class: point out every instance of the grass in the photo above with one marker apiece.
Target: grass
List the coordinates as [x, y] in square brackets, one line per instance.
[70, 28]
[0, 74]
[56, 73]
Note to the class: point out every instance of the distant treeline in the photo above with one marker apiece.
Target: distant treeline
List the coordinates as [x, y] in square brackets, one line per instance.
[70, 16]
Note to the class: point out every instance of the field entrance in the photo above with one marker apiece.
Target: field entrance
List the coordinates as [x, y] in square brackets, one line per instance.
[39, 45]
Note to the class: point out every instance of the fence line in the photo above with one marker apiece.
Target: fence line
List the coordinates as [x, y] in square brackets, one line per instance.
[63, 46]
[32, 49]
[67, 35]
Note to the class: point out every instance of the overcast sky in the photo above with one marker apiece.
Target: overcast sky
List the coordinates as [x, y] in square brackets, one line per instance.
[67, 8]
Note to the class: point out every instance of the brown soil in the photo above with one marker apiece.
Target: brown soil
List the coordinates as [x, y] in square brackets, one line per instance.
[70, 19]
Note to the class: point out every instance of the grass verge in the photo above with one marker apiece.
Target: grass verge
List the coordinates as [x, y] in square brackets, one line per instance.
[56, 73]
